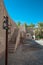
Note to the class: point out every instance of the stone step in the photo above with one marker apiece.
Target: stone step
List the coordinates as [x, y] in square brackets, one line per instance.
[11, 46]
[10, 51]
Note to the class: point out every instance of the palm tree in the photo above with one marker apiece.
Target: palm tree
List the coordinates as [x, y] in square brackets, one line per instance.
[40, 24]
[32, 25]
[25, 25]
[18, 24]
[40, 29]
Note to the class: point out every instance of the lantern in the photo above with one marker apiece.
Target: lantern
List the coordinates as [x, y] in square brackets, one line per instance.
[5, 23]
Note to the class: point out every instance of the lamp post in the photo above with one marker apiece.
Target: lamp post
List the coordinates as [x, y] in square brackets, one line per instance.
[5, 26]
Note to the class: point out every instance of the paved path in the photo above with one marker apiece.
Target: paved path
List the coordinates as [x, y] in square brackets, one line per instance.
[26, 55]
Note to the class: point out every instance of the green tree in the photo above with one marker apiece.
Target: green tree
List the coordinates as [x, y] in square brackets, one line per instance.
[25, 25]
[39, 30]
[40, 24]
[18, 24]
[32, 25]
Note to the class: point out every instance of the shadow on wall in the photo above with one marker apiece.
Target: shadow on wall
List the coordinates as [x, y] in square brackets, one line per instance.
[13, 37]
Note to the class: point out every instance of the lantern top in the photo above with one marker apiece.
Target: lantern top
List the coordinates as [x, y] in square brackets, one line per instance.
[6, 17]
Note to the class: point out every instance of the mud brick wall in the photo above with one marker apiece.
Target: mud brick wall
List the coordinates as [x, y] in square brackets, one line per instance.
[3, 12]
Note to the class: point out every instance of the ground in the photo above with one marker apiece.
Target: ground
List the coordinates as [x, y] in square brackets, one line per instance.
[26, 54]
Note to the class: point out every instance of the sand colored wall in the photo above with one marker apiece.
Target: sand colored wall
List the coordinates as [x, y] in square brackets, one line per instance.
[3, 12]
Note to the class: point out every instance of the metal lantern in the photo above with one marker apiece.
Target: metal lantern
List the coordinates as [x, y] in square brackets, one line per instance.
[5, 23]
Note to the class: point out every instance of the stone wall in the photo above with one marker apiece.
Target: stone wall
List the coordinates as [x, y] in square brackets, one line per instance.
[3, 12]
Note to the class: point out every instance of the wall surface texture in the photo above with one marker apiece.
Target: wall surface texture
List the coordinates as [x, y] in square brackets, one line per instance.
[3, 12]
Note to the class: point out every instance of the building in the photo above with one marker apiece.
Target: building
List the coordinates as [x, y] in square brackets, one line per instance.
[29, 32]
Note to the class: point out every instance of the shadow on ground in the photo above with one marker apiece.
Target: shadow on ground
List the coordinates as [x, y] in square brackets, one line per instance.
[30, 54]
[31, 45]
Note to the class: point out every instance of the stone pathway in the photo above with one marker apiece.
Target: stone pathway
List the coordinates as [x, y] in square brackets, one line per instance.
[25, 55]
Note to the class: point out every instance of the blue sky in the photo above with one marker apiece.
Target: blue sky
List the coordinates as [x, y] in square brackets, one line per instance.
[29, 11]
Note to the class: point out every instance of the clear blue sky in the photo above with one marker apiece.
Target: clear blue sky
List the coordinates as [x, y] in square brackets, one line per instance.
[25, 10]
